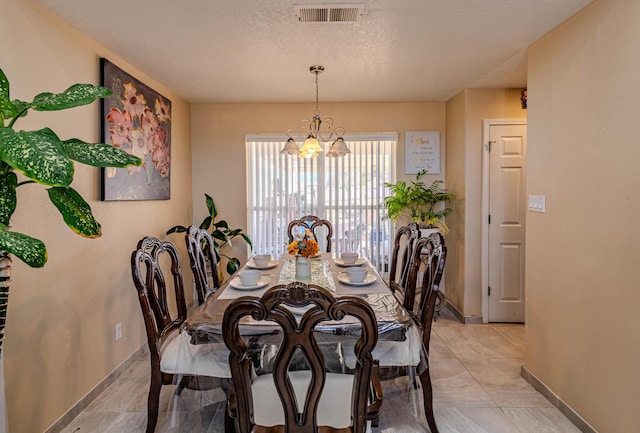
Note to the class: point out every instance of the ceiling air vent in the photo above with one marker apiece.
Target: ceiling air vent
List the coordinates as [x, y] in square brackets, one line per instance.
[334, 13]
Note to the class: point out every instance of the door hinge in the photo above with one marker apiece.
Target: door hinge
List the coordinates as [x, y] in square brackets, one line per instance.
[489, 219]
[489, 145]
[489, 291]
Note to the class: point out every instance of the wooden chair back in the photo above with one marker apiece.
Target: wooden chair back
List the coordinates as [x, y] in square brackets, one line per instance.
[298, 336]
[164, 309]
[151, 284]
[401, 258]
[321, 229]
[204, 264]
[429, 258]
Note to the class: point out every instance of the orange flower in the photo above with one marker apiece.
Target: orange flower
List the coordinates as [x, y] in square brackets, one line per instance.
[305, 246]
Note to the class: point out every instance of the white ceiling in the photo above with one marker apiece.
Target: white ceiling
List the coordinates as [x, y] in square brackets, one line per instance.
[255, 50]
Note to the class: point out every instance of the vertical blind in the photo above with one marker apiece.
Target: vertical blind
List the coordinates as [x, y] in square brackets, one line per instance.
[347, 191]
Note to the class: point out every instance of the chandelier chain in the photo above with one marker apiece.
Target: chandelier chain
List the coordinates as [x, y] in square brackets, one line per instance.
[316, 112]
[313, 133]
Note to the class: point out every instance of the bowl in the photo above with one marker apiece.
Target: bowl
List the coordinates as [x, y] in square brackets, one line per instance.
[262, 259]
[349, 258]
[356, 274]
[249, 277]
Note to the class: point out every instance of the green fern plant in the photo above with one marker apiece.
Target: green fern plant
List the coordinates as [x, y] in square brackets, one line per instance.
[420, 203]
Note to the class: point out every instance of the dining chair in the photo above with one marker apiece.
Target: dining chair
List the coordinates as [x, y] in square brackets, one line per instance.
[401, 257]
[321, 228]
[309, 399]
[164, 309]
[431, 253]
[204, 265]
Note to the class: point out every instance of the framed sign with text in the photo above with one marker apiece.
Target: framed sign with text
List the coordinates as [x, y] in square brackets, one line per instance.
[422, 152]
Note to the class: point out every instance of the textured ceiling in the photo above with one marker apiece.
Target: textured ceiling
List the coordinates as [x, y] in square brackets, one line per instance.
[255, 51]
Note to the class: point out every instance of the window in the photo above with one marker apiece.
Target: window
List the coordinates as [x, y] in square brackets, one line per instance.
[347, 191]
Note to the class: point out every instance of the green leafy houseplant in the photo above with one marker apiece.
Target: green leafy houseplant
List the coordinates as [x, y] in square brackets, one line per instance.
[421, 203]
[221, 233]
[43, 158]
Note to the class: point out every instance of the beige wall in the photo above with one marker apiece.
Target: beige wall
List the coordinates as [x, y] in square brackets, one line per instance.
[583, 266]
[59, 337]
[583, 310]
[465, 115]
[219, 151]
[456, 181]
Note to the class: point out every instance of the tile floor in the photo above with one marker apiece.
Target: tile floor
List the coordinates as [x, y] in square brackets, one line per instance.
[476, 379]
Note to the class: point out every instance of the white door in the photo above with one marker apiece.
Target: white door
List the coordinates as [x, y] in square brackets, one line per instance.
[506, 229]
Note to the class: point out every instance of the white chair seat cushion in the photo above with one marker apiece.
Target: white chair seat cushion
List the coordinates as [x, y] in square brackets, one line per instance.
[179, 356]
[390, 353]
[334, 408]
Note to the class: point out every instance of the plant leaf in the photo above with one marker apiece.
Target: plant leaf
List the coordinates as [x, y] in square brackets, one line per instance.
[74, 96]
[21, 107]
[98, 154]
[220, 225]
[8, 200]
[7, 109]
[30, 250]
[247, 240]
[177, 229]
[217, 234]
[75, 211]
[37, 154]
[211, 206]
[206, 223]
[232, 265]
[233, 233]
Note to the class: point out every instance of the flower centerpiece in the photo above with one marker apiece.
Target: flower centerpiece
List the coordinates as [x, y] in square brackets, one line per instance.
[303, 247]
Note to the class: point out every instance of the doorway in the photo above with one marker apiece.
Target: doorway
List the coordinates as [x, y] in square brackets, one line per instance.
[504, 211]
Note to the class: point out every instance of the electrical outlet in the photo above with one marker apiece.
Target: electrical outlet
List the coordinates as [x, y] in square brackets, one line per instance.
[118, 331]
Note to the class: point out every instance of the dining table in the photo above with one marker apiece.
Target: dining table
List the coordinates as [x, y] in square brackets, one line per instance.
[399, 338]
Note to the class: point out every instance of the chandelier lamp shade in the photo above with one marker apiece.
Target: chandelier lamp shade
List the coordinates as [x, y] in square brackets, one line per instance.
[316, 129]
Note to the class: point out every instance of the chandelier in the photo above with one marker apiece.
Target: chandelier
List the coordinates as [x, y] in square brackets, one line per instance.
[316, 129]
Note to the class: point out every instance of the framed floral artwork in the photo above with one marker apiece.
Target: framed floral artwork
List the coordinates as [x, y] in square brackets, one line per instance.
[136, 119]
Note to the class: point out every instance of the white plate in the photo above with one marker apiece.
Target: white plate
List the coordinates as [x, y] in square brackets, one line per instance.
[271, 264]
[237, 284]
[344, 278]
[358, 262]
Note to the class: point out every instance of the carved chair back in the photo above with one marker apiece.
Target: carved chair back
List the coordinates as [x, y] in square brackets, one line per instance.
[204, 265]
[321, 229]
[298, 336]
[401, 258]
[429, 257]
[151, 284]
[164, 309]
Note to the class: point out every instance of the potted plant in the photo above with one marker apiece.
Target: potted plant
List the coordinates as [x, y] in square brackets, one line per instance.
[422, 204]
[43, 158]
[221, 234]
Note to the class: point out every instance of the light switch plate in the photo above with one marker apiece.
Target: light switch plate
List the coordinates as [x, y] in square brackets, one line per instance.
[537, 203]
